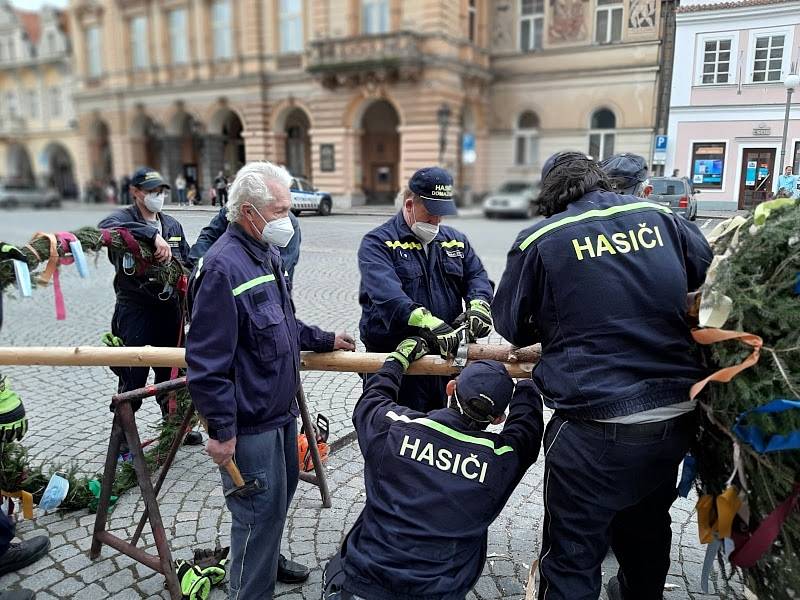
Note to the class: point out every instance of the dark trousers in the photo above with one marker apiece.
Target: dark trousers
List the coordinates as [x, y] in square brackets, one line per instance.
[609, 485]
[333, 579]
[7, 529]
[138, 325]
[423, 393]
[222, 196]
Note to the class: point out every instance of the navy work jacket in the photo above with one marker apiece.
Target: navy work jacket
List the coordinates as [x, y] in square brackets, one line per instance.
[144, 290]
[603, 285]
[212, 232]
[434, 485]
[397, 277]
[243, 346]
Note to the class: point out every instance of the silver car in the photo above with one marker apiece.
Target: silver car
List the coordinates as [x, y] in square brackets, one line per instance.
[17, 195]
[514, 198]
[676, 193]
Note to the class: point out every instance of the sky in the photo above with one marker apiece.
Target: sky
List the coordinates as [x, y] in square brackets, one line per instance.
[37, 4]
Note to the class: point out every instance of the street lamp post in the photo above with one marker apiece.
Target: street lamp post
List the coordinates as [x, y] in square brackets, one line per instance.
[443, 116]
[790, 83]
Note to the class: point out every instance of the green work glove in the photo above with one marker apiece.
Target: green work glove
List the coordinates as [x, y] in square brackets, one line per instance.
[409, 350]
[194, 585]
[9, 252]
[111, 340]
[437, 334]
[478, 318]
[212, 563]
[13, 422]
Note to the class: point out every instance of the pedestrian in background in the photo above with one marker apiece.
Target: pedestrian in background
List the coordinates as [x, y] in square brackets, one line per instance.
[124, 192]
[147, 313]
[191, 195]
[180, 188]
[787, 184]
[243, 352]
[602, 283]
[221, 188]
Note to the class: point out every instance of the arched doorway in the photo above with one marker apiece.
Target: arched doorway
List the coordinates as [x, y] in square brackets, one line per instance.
[601, 133]
[19, 171]
[147, 141]
[225, 136]
[58, 171]
[100, 157]
[183, 147]
[298, 143]
[380, 152]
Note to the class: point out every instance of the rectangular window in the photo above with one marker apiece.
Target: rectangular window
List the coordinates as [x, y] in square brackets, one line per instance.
[140, 55]
[178, 37]
[768, 58]
[374, 16]
[94, 52]
[531, 25]
[708, 165]
[472, 21]
[55, 102]
[33, 104]
[12, 53]
[716, 61]
[608, 22]
[291, 20]
[601, 145]
[222, 24]
[796, 160]
[11, 102]
[527, 150]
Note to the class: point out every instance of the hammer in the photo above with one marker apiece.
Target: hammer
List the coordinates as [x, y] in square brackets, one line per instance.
[240, 487]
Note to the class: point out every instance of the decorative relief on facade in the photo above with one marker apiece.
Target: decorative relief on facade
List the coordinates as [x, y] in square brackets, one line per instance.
[502, 27]
[642, 14]
[568, 21]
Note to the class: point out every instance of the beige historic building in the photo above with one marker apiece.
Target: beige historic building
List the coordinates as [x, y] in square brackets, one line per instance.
[39, 138]
[357, 94]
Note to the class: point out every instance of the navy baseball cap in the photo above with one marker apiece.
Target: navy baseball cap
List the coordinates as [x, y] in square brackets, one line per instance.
[625, 170]
[434, 186]
[560, 158]
[148, 179]
[484, 389]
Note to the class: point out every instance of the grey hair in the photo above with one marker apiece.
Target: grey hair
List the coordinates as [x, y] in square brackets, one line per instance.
[250, 186]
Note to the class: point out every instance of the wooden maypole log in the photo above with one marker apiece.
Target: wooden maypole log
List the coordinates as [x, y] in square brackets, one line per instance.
[519, 362]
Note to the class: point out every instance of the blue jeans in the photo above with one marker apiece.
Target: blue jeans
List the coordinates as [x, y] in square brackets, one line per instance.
[258, 518]
[609, 485]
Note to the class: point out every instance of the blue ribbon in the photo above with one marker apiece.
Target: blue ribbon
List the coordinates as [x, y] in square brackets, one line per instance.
[752, 435]
[797, 285]
[688, 473]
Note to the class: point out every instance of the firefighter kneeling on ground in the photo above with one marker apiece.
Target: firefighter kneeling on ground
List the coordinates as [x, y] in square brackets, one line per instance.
[435, 481]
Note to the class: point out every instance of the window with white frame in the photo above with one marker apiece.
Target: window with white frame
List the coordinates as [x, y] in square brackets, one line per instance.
[526, 139]
[374, 16]
[178, 36]
[11, 104]
[52, 44]
[717, 61]
[768, 57]
[33, 104]
[291, 23]
[140, 53]
[221, 29]
[608, 21]
[601, 134]
[472, 20]
[94, 51]
[55, 106]
[12, 53]
[531, 25]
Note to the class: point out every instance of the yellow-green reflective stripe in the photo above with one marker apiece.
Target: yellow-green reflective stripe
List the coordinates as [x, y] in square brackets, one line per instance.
[449, 432]
[174, 238]
[600, 212]
[453, 244]
[239, 289]
[404, 245]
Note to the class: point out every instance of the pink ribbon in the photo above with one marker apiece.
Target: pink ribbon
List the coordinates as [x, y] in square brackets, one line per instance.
[64, 238]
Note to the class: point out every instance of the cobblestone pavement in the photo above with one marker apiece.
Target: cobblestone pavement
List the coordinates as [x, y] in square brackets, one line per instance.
[70, 424]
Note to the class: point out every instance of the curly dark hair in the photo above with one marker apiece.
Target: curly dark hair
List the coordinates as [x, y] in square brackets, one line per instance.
[571, 177]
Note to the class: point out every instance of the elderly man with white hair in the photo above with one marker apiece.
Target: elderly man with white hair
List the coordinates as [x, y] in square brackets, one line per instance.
[243, 352]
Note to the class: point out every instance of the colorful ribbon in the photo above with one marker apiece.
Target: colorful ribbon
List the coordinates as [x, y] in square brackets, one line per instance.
[752, 435]
[724, 375]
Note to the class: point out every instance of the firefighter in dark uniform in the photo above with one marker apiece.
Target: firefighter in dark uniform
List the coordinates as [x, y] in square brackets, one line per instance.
[435, 481]
[422, 278]
[627, 174]
[147, 312]
[602, 283]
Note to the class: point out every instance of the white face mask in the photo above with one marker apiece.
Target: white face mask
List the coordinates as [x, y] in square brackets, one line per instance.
[424, 231]
[154, 201]
[278, 232]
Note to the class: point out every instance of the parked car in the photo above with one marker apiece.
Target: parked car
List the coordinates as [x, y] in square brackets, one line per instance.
[514, 198]
[13, 195]
[305, 197]
[676, 193]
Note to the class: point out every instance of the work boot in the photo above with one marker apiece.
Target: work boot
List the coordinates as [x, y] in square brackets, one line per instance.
[17, 595]
[23, 554]
[291, 572]
[193, 438]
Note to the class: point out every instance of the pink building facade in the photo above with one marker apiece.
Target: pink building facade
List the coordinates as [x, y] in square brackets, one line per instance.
[728, 99]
